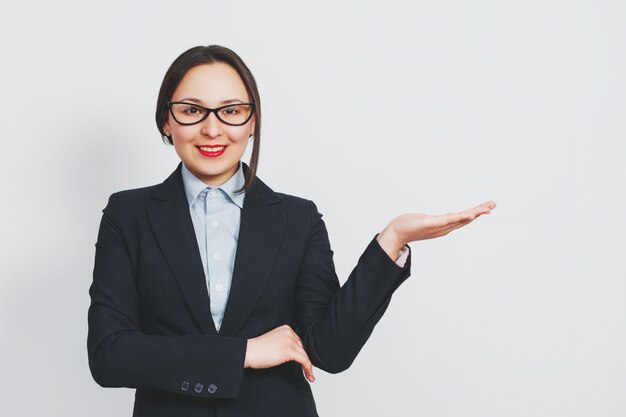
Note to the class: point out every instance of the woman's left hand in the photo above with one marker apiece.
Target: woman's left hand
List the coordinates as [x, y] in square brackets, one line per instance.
[416, 226]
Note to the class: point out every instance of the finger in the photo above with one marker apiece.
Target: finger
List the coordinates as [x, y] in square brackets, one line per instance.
[285, 328]
[464, 218]
[469, 216]
[307, 366]
[446, 230]
[491, 204]
[295, 339]
[488, 205]
[292, 335]
[482, 207]
[444, 223]
[300, 356]
[445, 220]
[479, 210]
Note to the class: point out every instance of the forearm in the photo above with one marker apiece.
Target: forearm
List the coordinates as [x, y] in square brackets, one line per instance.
[175, 364]
[335, 339]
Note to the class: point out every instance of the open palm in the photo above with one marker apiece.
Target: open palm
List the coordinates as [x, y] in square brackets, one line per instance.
[416, 226]
[411, 227]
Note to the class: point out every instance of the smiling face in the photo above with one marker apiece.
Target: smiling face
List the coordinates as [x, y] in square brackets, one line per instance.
[211, 85]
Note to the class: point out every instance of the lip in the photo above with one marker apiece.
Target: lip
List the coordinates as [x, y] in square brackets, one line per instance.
[211, 154]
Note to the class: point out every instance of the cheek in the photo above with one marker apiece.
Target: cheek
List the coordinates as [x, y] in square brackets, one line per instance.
[183, 138]
[239, 133]
[184, 133]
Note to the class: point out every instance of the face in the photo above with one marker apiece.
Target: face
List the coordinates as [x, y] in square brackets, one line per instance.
[210, 85]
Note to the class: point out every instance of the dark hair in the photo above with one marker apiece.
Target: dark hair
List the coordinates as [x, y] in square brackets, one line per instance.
[208, 55]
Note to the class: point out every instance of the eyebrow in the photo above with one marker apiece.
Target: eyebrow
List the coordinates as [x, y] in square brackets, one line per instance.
[195, 100]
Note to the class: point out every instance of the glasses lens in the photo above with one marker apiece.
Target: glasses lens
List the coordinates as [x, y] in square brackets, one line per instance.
[187, 113]
[237, 114]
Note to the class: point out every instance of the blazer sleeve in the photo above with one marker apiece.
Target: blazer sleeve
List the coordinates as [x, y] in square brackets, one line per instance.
[335, 322]
[120, 355]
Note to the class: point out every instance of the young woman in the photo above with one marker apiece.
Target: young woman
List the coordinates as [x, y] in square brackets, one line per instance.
[212, 294]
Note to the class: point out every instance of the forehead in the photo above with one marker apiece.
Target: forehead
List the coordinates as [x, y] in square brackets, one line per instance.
[211, 83]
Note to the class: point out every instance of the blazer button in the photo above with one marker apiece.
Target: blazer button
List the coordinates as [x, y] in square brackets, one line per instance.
[184, 386]
[212, 388]
[198, 388]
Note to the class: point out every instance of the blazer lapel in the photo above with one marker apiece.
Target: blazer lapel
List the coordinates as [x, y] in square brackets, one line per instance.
[260, 234]
[172, 226]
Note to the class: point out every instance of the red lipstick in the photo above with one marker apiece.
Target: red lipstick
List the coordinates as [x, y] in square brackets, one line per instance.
[212, 154]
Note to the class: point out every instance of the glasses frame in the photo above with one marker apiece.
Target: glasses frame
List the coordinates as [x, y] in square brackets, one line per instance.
[209, 111]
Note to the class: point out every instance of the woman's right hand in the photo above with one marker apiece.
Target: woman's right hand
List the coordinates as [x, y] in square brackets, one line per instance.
[276, 347]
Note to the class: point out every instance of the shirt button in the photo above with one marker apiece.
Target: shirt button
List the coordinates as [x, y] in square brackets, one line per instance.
[184, 386]
[212, 388]
[215, 223]
[219, 287]
[216, 255]
[198, 388]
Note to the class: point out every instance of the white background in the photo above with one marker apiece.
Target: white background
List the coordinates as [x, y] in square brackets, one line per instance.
[371, 109]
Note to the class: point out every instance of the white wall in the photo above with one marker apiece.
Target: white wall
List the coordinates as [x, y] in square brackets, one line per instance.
[414, 106]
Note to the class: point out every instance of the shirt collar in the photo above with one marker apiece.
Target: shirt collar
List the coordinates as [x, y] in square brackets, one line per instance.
[194, 186]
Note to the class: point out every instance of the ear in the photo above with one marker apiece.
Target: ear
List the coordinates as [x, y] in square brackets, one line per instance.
[166, 129]
[253, 125]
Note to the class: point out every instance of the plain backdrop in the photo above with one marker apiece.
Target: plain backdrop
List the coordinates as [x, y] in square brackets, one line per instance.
[371, 109]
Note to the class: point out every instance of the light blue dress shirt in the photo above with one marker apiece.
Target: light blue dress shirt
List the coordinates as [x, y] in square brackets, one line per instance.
[216, 215]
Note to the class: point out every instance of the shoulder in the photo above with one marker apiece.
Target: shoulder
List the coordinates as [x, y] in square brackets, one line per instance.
[288, 201]
[292, 200]
[136, 193]
[137, 200]
[304, 206]
[128, 202]
[298, 209]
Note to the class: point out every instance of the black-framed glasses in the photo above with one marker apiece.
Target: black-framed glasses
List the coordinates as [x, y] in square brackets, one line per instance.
[190, 113]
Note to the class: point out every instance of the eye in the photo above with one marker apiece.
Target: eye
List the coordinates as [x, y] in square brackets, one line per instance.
[231, 111]
[192, 110]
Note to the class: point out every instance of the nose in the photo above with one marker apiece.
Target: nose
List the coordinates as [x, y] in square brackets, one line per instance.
[211, 126]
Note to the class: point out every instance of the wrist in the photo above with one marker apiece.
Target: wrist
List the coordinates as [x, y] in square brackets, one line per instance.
[390, 243]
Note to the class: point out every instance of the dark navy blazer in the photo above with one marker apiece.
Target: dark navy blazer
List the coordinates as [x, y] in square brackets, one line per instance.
[150, 324]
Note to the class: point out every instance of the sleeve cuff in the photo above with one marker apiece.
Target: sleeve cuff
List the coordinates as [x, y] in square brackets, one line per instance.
[404, 254]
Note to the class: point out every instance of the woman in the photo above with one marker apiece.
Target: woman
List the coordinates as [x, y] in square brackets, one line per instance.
[214, 295]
